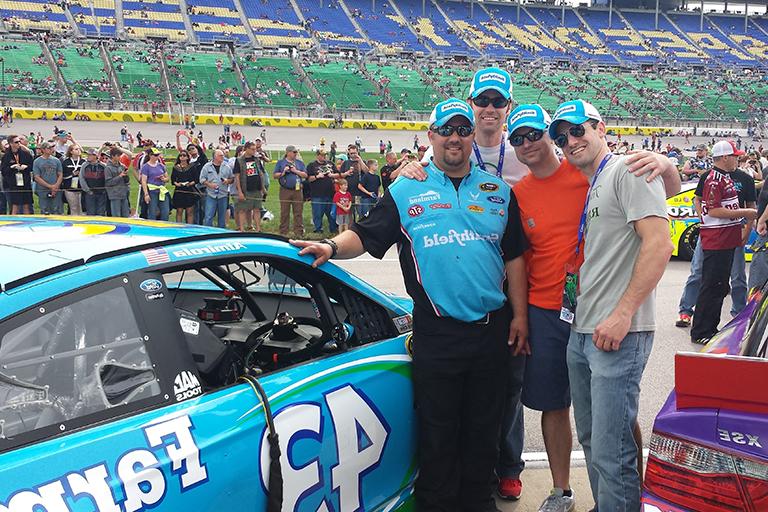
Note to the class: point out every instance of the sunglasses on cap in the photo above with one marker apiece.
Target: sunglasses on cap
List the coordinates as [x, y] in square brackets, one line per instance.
[533, 136]
[484, 101]
[448, 130]
[574, 131]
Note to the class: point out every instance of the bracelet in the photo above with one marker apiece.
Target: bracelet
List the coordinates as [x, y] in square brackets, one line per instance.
[334, 247]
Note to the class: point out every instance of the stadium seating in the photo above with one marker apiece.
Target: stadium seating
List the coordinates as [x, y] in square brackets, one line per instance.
[627, 44]
[138, 72]
[534, 41]
[267, 78]
[275, 23]
[477, 26]
[216, 20]
[343, 85]
[26, 72]
[34, 15]
[83, 71]
[711, 40]
[148, 18]
[406, 87]
[387, 30]
[206, 78]
[99, 21]
[331, 24]
[433, 27]
[452, 81]
[566, 27]
[666, 38]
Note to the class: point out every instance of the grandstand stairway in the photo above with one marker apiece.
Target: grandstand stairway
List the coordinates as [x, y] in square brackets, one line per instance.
[303, 20]
[355, 24]
[117, 90]
[238, 71]
[380, 89]
[594, 33]
[647, 44]
[308, 83]
[56, 71]
[119, 19]
[730, 40]
[183, 6]
[469, 41]
[410, 27]
[684, 33]
[247, 26]
[73, 23]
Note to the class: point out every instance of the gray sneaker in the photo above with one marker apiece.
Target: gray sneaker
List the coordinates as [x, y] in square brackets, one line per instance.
[557, 502]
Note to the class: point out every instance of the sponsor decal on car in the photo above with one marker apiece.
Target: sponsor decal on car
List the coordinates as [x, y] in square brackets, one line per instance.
[186, 386]
[488, 187]
[154, 296]
[415, 210]
[142, 484]
[403, 323]
[151, 285]
[208, 249]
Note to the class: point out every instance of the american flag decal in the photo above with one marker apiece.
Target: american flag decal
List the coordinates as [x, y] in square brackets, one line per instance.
[156, 256]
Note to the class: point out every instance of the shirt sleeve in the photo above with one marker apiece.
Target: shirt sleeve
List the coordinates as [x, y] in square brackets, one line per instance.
[381, 228]
[700, 185]
[638, 198]
[513, 242]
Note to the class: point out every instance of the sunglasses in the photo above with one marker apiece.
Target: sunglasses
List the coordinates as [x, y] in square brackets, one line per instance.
[484, 101]
[15, 141]
[574, 131]
[533, 136]
[448, 130]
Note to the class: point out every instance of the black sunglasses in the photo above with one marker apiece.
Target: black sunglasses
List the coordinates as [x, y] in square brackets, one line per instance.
[484, 101]
[574, 131]
[533, 136]
[448, 130]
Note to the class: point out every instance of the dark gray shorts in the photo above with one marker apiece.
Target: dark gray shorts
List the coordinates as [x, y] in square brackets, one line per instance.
[545, 385]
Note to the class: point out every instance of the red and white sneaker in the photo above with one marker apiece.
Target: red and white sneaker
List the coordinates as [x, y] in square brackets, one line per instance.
[510, 488]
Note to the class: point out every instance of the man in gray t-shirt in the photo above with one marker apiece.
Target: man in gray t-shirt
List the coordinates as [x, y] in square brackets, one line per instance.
[48, 172]
[626, 249]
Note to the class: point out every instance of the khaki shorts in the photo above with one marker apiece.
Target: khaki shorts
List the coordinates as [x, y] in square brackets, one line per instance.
[250, 203]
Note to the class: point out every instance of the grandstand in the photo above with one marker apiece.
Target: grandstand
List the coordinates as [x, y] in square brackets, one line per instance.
[385, 55]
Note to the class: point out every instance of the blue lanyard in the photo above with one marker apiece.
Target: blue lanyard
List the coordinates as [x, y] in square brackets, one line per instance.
[480, 161]
[583, 221]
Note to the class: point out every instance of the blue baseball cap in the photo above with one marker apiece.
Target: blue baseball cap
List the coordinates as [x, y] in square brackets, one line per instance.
[491, 78]
[530, 115]
[448, 109]
[574, 112]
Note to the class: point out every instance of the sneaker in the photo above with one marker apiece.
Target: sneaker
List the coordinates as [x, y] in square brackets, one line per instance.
[510, 488]
[557, 502]
[701, 341]
[683, 321]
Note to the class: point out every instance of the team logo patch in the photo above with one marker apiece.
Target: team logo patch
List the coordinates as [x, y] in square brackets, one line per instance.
[415, 210]
[489, 187]
[441, 206]
[151, 285]
[531, 223]
[154, 296]
[491, 76]
[475, 208]
[496, 199]
[498, 211]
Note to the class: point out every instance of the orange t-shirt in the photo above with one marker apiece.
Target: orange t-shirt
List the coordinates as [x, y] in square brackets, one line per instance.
[550, 210]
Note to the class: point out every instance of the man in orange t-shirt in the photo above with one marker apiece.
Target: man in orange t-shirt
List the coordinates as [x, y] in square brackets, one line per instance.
[551, 200]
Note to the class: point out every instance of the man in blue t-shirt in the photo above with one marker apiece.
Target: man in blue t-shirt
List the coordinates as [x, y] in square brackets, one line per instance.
[460, 340]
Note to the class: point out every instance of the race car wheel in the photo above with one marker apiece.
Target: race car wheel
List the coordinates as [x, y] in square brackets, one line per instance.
[688, 241]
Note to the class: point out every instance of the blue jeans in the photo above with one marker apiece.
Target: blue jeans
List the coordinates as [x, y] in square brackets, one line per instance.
[218, 207]
[321, 206]
[738, 282]
[510, 463]
[157, 206]
[758, 270]
[366, 203]
[120, 207]
[96, 203]
[605, 388]
[50, 205]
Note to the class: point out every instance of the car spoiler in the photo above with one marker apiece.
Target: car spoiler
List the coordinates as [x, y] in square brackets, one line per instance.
[721, 381]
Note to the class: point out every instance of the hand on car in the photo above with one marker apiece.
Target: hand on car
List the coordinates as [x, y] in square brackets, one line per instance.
[322, 252]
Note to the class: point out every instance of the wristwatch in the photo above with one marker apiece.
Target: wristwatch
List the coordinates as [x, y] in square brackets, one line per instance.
[334, 247]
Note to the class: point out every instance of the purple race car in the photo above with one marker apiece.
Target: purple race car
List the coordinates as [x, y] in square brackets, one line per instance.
[709, 448]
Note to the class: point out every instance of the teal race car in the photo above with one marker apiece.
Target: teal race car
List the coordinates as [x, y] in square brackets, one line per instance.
[162, 366]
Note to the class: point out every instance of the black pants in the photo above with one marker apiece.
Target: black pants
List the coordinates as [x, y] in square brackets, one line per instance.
[715, 278]
[460, 381]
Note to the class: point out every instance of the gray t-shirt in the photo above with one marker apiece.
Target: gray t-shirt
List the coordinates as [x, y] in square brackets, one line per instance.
[611, 245]
[47, 168]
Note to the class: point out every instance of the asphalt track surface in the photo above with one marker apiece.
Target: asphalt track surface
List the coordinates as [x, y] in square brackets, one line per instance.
[658, 378]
